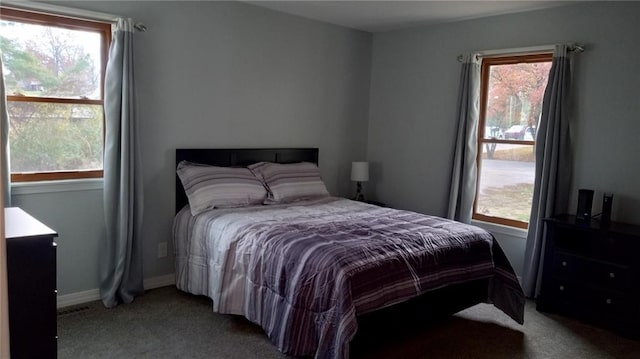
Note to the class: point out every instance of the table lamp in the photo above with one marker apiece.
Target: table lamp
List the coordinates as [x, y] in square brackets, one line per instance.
[359, 174]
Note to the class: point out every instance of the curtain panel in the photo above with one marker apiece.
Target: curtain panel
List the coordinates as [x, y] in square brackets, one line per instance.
[464, 172]
[553, 166]
[121, 260]
[4, 142]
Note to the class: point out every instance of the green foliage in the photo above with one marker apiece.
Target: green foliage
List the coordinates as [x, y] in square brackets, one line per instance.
[21, 65]
[55, 65]
[54, 137]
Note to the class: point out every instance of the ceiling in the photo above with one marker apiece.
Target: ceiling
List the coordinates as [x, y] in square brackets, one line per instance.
[376, 16]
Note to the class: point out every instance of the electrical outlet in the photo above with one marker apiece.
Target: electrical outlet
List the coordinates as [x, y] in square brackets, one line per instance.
[162, 249]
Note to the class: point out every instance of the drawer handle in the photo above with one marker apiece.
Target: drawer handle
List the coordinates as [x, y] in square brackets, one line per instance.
[564, 263]
[608, 301]
[561, 287]
[612, 275]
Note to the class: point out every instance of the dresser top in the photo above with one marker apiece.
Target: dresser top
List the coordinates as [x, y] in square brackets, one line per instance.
[19, 224]
[594, 225]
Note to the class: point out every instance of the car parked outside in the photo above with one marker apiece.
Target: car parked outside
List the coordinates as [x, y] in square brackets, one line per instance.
[520, 132]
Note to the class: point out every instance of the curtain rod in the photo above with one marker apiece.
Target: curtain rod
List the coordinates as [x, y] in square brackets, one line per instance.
[533, 49]
[79, 14]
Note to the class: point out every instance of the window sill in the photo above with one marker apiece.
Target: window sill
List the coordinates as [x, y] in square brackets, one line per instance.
[87, 184]
[501, 229]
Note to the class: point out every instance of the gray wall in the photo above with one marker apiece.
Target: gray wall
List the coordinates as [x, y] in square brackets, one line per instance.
[77, 216]
[220, 74]
[213, 74]
[414, 87]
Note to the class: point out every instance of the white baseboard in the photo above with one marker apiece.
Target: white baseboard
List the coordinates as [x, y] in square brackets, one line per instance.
[78, 298]
[94, 294]
[161, 281]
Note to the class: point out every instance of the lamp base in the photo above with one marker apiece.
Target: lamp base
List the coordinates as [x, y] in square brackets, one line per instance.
[359, 196]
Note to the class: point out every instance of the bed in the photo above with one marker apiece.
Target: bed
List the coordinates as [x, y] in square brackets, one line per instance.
[310, 272]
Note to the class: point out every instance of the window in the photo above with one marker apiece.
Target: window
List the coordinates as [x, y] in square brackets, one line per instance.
[54, 76]
[512, 89]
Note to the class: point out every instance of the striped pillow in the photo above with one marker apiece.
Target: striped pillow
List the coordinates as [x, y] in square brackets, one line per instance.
[290, 182]
[210, 187]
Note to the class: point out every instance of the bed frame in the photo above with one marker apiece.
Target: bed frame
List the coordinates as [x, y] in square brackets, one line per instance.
[377, 325]
[238, 157]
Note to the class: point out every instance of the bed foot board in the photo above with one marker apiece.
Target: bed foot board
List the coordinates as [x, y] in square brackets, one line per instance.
[419, 312]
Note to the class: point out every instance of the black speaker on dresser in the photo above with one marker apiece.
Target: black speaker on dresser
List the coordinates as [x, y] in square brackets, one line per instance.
[585, 202]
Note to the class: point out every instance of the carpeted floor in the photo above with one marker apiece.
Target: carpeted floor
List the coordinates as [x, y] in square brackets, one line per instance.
[166, 323]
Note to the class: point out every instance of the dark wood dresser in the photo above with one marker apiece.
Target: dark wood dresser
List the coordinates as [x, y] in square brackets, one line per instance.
[31, 280]
[592, 273]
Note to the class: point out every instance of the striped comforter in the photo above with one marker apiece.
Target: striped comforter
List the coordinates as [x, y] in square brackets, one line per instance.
[304, 271]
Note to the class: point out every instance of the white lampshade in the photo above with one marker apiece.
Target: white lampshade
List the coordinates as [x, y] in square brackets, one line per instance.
[360, 171]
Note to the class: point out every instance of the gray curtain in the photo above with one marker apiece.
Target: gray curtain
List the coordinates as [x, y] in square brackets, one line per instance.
[121, 266]
[464, 173]
[553, 166]
[4, 142]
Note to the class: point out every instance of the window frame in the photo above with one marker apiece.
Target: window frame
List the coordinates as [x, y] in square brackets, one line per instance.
[104, 29]
[487, 62]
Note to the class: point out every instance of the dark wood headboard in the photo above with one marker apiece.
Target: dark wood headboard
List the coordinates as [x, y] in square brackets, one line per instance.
[232, 157]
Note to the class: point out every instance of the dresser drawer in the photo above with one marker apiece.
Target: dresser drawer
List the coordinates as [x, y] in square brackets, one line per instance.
[611, 309]
[598, 273]
[593, 304]
[611, 247]
[617, 248]
[564, 298]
